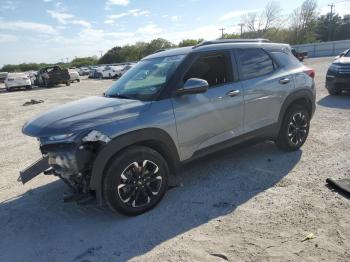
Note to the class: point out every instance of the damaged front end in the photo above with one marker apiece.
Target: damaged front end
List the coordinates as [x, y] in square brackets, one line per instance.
[70, 160]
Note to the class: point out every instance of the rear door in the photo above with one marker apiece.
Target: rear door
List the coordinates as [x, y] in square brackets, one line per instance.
[215, 116]
[265, 87]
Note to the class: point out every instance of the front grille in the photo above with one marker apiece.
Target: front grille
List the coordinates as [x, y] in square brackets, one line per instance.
[344, 69]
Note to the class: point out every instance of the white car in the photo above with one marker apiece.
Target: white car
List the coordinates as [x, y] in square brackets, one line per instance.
[112, 71]
[74, 75]
[17, 80]
[126, 68]
[83, 71]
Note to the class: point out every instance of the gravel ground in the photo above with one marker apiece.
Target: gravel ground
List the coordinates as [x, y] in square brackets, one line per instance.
[252, 204]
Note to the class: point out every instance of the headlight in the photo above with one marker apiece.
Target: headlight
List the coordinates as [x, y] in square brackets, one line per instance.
[334, 67]
[59, 137]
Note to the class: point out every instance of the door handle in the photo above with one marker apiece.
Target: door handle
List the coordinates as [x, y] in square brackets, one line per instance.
[233, 93]
[284, 81]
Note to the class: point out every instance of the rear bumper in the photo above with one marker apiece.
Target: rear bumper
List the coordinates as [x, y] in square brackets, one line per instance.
[18, 83]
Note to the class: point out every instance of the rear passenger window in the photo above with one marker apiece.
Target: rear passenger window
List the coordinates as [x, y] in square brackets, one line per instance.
[215, 68]
[286, 59]
[254, 63]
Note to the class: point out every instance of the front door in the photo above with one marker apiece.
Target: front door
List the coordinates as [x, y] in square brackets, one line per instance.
[214, 116]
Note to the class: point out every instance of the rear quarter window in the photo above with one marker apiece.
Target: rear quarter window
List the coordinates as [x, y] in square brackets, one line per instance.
[286, 59]
[254, 63]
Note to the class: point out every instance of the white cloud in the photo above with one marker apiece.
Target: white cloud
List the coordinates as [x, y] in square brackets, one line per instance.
[236, 14]
[27, 26]
[117, 2]
[175, 18]
[9, 5]
[133, 12]
[6, 38]
[66, 18]
[150, 29]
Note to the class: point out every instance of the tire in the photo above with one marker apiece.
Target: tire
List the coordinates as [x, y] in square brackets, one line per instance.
[68, 83]
[78, 80]
[8, 89]
[29, 87]
[295, 129]
[334, 92]
[138, 195]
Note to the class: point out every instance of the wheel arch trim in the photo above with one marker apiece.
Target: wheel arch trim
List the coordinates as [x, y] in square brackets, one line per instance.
[152, 137]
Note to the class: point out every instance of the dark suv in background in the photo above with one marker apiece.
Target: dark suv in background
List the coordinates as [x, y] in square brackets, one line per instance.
[172, 107]
[338, 75]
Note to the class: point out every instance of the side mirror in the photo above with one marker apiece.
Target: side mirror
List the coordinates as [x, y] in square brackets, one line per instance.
[193, 86]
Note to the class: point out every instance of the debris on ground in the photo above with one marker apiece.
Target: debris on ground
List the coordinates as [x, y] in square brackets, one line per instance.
[220, 256]
[308, 237]
[341, 184]
[33, 102]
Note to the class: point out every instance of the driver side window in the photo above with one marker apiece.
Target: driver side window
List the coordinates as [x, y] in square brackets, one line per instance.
[215, 68]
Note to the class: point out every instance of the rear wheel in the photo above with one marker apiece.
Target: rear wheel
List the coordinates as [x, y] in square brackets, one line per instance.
[68, 83]
[334, 92]
[136, 181]
[78, 80]
[294, 129]
[29, 87]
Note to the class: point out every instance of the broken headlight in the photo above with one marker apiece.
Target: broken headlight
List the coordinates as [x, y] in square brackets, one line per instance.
[59, 137]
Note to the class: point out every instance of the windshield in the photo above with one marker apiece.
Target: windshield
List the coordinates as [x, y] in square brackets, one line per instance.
[146, 79]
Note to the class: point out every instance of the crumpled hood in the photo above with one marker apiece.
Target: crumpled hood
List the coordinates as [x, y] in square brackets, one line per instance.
[82, 115]
[343, 60]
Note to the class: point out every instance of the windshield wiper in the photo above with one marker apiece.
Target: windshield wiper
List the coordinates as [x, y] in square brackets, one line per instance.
[119, 96]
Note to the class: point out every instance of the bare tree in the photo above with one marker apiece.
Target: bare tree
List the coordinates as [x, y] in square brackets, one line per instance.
[263, 21]
[303, 20]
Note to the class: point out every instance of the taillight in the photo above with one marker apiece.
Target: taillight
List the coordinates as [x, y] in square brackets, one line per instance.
[310, 72]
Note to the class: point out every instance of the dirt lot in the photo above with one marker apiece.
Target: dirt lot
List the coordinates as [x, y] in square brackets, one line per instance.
[253, 204]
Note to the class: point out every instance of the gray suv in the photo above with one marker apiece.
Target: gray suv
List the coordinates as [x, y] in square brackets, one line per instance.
[125, 146]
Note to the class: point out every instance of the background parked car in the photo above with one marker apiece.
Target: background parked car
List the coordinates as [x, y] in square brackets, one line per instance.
[84, 71]
[300, 55]
[338, 75]
[17, 80]
[32, 76]
[53, 75]
[112, 71]
[3, 75]
[74, 75]
[96, 73]
[126, 68]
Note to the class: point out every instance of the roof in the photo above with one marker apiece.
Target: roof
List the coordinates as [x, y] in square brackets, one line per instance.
[216, 46]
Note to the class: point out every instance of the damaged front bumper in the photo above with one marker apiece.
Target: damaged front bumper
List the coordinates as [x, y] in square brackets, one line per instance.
[71, 161]
[32, 171]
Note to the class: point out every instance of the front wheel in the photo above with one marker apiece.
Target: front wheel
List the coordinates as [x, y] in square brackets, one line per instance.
[29, 87]
[294, 129]
[135, 181]
[68, 83]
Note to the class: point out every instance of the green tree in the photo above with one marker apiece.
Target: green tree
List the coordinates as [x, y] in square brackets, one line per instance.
[189, 42]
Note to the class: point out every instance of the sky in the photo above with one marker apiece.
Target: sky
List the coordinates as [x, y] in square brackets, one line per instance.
[59, 30]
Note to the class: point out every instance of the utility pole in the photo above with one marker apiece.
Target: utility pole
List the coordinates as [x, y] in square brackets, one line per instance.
[330, 26]
[222, 32]
[241, 25]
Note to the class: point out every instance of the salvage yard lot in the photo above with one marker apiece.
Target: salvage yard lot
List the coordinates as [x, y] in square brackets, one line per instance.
[252, 204]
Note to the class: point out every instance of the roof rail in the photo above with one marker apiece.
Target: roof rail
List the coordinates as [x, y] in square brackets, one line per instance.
[159, 50]
[226, 41]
